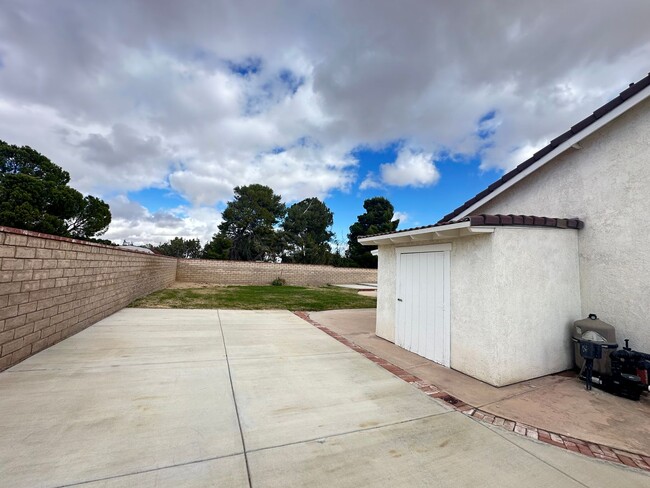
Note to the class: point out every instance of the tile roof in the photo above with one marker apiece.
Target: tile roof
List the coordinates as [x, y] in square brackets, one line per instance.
[500, 220]
[633, 89]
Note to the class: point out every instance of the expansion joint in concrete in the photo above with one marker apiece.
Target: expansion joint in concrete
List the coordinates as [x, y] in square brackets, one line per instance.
[234, 399]
[341, 434]
[144, 471]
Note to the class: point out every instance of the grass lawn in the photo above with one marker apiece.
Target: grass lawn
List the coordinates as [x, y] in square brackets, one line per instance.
[257, 298]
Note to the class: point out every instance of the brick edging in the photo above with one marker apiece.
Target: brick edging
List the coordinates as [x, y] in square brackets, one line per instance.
[579, 446]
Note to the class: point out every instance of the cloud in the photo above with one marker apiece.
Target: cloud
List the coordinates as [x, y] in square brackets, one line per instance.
[403, 217]
[134, 223]
[201, 97]
[411, 168]
[370, 181]
[302, 171]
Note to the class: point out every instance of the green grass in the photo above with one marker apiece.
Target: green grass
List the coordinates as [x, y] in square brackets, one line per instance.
[257, 298]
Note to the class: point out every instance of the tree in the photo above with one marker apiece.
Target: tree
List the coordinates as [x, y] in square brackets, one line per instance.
[218, 248]
[91, 218]
[307, 232]
[249, 220]
[376, 220]
[34, 195]
[181, 248]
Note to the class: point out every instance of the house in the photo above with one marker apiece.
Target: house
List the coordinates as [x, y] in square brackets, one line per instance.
[493, 288]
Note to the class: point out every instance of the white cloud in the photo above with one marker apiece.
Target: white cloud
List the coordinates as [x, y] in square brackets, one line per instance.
[370, 181]
[128, 95]
[411, 168]
[134, 223]
[401, 216]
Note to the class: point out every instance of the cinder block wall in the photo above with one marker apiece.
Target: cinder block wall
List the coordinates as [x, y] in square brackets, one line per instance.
[52, 287]
[254, 273]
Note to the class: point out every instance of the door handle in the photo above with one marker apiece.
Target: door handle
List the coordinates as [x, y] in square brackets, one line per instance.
[399, 300]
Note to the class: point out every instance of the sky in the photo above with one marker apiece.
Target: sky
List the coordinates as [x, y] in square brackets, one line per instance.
[162, 107]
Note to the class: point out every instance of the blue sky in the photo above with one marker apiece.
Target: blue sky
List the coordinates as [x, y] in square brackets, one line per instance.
[162, 110]
[459, 181]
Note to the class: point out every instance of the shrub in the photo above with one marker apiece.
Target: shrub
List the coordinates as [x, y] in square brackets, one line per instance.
[279, 282]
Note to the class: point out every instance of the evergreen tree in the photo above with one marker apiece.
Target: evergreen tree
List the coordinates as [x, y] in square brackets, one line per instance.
[307, 232]
[34, 195]
[218, 248]
[377, 219]
[249, 220]
[181, 248]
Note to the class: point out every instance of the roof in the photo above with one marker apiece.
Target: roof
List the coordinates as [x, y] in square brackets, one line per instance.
[473, 224]
[610, 108]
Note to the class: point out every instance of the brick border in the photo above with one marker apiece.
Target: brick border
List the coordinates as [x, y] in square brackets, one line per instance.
[579, 446]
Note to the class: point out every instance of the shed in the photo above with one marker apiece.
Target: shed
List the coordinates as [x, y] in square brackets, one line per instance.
[463, 294]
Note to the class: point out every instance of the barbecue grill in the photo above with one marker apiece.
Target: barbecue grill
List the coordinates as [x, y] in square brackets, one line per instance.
[594, 331]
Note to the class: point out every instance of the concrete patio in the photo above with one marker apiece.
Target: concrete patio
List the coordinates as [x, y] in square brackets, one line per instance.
[202, 398]
[558, 403]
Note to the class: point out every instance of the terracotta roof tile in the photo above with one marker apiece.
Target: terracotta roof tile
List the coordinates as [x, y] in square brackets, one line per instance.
[501, 220]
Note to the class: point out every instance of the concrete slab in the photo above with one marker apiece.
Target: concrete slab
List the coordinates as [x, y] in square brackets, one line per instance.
[244, 342]
[160, 316]
[475, 392]
[590, 472]
[259, 334]
[359, 327]
[558, 403]
[255, 319]
[292, 399]
[567, 408]
[448, 450]
[124, 341]
[114, 407]
[228, 472]
[90, 423]
[357, 321]
[262, 318]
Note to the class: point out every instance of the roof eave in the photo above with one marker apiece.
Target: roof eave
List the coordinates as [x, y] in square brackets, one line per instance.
[439, 232]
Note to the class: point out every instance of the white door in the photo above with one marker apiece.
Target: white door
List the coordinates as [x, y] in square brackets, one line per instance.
[422, 322]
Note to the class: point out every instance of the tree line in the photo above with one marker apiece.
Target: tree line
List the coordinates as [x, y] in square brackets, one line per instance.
[256, 225]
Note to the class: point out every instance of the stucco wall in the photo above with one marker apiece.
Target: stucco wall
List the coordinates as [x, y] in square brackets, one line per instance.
[255, 273]
[606, 184]
[52, 287]
[514, 294]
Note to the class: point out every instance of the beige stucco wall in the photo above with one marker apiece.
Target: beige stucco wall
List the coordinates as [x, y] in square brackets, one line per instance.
[606, 184]
[514, 294]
